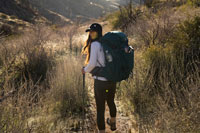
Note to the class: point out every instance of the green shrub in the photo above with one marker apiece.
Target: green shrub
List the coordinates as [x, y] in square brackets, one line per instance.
[35, 59]
[166, 85]
[125, 17]
[186, 45]
[195, 3]
[176, 62]
[36, 64]
[28, 60]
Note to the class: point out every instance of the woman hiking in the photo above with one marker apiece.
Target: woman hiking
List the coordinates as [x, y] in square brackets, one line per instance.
[104, 90]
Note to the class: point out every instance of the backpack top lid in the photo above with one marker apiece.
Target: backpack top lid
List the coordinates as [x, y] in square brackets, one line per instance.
[115, 39]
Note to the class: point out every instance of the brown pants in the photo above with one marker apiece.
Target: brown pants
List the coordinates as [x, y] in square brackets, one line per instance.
[104, 91]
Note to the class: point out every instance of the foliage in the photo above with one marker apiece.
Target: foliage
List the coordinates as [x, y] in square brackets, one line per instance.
[195, 3]
[38, 86]
[125, 17]
[166, 82]
[151, 3]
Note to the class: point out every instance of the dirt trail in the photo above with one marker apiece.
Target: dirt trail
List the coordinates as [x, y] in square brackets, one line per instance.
[125, 123]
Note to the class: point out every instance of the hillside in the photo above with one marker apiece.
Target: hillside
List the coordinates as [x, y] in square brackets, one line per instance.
[58, 11]
[17, 14]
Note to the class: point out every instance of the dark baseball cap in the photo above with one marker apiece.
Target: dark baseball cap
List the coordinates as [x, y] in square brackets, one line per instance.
[94, 27]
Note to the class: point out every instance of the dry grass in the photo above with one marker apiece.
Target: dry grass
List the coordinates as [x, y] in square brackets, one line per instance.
[164, 91]
[162, 107]
[165, 87]
[40, 89]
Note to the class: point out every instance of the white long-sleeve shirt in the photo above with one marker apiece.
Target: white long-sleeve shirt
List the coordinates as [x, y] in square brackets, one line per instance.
[96, 53]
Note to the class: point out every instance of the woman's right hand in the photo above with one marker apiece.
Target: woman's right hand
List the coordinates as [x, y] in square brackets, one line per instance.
[83, 71]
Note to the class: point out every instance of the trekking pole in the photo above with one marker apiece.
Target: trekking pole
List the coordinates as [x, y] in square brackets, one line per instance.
[83, 107]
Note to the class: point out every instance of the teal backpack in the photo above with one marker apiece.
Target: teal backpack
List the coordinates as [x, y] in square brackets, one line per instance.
[119, 57]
